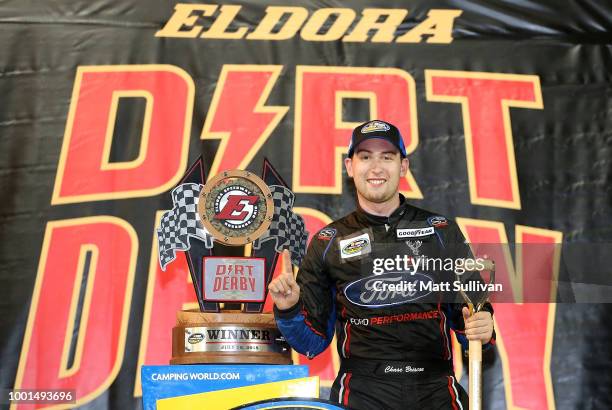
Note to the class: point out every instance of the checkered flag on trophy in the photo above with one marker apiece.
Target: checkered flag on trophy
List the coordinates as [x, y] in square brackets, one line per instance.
[287, 228]
[181, 223]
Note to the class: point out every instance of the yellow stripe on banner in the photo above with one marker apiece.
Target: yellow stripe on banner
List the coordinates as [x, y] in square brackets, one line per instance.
[228, 398]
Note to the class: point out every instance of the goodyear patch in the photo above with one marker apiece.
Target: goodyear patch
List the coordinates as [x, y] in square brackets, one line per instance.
[356, 246]
[326, 234]
[437, 221]
[374, 126]
[414, 232]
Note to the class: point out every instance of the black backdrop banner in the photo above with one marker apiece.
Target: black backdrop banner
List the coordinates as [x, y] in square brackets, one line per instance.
[505, 110]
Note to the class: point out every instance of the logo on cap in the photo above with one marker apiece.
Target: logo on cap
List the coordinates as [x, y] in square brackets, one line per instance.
[375, 126]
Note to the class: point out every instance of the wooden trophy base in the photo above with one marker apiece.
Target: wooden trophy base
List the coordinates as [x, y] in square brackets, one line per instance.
[228, 337]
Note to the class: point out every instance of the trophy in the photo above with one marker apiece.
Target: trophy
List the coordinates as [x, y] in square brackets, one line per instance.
[216, 224]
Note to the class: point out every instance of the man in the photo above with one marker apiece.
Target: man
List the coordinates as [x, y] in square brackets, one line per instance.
[394, 343]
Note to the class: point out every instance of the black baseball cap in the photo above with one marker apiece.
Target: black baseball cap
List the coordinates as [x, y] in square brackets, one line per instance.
[377, 129]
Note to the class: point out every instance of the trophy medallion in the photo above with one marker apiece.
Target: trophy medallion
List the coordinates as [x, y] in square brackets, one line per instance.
[236, 207]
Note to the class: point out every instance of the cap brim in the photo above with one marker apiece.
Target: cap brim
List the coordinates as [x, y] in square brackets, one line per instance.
[380, 137]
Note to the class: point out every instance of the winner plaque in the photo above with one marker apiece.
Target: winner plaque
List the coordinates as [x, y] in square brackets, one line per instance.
[232, 230]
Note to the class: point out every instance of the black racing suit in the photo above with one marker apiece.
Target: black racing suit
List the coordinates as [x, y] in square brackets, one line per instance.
[394, 344]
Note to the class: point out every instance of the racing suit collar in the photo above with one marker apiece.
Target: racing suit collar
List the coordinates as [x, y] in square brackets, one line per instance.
[399, 213]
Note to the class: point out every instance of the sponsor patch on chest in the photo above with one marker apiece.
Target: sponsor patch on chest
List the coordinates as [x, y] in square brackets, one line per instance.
[414, 232]
[359, 245]
[388, 289]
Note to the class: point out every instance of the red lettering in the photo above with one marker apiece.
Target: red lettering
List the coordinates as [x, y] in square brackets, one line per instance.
[220, 270]
[250, 268]
[238, 117]
[486, 99]
[167, 293]
[236, 203]
[239, 269]
[321, 133]
[85, 171]
[217, 284]
[99, 252]
[527, 364]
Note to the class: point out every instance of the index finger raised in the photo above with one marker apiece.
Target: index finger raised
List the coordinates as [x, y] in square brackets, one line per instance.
[287, 266]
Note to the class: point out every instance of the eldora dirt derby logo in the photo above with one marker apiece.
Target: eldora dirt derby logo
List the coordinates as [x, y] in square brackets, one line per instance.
[236, 207]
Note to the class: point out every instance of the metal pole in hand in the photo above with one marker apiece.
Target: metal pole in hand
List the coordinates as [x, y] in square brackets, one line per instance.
[475, 346]
[475, 370]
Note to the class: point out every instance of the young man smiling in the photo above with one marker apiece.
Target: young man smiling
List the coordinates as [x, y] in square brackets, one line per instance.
[394, 346]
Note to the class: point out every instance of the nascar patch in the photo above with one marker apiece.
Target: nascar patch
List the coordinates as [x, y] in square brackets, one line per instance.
[414, 232]
[359, 245]
[326, 234]
[437, 221]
